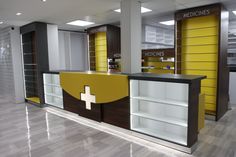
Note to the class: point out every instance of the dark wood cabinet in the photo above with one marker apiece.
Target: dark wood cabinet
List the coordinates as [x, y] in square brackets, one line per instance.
[35, 56]
[111, 46]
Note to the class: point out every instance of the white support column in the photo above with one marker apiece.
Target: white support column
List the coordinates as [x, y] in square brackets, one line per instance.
[131, 36]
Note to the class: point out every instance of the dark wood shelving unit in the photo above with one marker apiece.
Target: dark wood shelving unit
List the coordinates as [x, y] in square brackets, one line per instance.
[104, 40]
[35, 57]
[31, 85]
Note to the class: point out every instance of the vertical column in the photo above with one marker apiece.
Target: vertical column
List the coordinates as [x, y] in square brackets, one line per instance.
[131, 36]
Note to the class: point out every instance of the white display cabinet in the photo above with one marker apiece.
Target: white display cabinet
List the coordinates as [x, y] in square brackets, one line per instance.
[160, 109]
[52, 90]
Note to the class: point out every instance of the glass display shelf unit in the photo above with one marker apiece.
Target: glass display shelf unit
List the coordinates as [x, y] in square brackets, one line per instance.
[52, 90]
[160, 109]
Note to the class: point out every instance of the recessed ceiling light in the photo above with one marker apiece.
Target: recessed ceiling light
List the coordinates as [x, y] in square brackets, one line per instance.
[18, 14]
[143, 10]
[169, 23]
[43, 0]
[80, 23]
[1, 22]
[234, 12]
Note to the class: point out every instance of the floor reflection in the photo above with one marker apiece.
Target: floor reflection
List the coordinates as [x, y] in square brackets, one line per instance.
[28, 130]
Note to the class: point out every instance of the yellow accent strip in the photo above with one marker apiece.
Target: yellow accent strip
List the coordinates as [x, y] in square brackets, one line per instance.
[201, 112]
[101, 51]
[159, 71]
[33, 99]
[106, 87]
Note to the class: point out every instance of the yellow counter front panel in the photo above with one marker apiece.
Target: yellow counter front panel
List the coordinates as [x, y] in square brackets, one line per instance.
[101, 51]
[106, 87]
[200, 54]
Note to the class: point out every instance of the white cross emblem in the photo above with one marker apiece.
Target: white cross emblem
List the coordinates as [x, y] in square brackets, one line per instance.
[88, 98]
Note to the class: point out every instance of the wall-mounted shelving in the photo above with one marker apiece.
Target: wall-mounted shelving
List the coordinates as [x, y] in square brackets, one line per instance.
[52, 90]
[232, 46]
[157, 37]
[160, 61]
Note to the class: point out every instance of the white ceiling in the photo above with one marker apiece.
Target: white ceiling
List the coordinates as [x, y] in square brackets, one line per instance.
[99, 11]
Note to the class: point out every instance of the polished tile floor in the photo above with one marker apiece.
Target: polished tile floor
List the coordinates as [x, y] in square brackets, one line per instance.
[29, 131]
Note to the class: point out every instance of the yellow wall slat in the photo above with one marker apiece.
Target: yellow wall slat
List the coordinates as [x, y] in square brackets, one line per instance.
[101, 51]
[200, 49]
[213, 31]
[210, 99]
[209, 83]
[208, 90]
[210, 107]
[199, 65]
[209, 74]
[200, 57]
[200, 40]
[200, 22]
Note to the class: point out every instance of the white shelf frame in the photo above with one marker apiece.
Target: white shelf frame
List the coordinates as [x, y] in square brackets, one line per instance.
[180, 123]
[52, 81]
[165, 119]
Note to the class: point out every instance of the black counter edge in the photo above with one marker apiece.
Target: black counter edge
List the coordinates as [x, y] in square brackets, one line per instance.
[175, 80]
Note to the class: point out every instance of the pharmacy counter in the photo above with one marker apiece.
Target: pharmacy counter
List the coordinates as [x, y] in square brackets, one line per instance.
[163, 107]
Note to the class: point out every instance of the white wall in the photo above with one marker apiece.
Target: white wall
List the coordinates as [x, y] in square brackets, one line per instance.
[73, 50]
[11, 70]
[53, 55]
[232, 88]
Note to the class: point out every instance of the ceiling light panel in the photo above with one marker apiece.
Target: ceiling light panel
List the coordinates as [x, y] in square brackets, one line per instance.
[80, 23]
[143, 10]
[168, 23]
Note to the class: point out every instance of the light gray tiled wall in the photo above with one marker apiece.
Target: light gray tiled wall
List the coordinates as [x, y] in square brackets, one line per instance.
[6, 66]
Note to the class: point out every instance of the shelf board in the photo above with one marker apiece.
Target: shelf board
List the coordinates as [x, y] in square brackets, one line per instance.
[165, 119]
[54, 104]
[30, 81]
[54, 95]
[30, 64]
[154, 43]
[50, 84]
[168, 102]
[29, 69]
[162, 135]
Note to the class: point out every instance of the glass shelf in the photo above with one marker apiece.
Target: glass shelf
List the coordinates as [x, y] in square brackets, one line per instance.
[166, 119]
[165, 131]
[168, 102]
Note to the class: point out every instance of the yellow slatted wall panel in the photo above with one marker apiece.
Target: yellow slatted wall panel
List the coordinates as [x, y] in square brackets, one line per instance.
[101, 51]
[200, 54]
